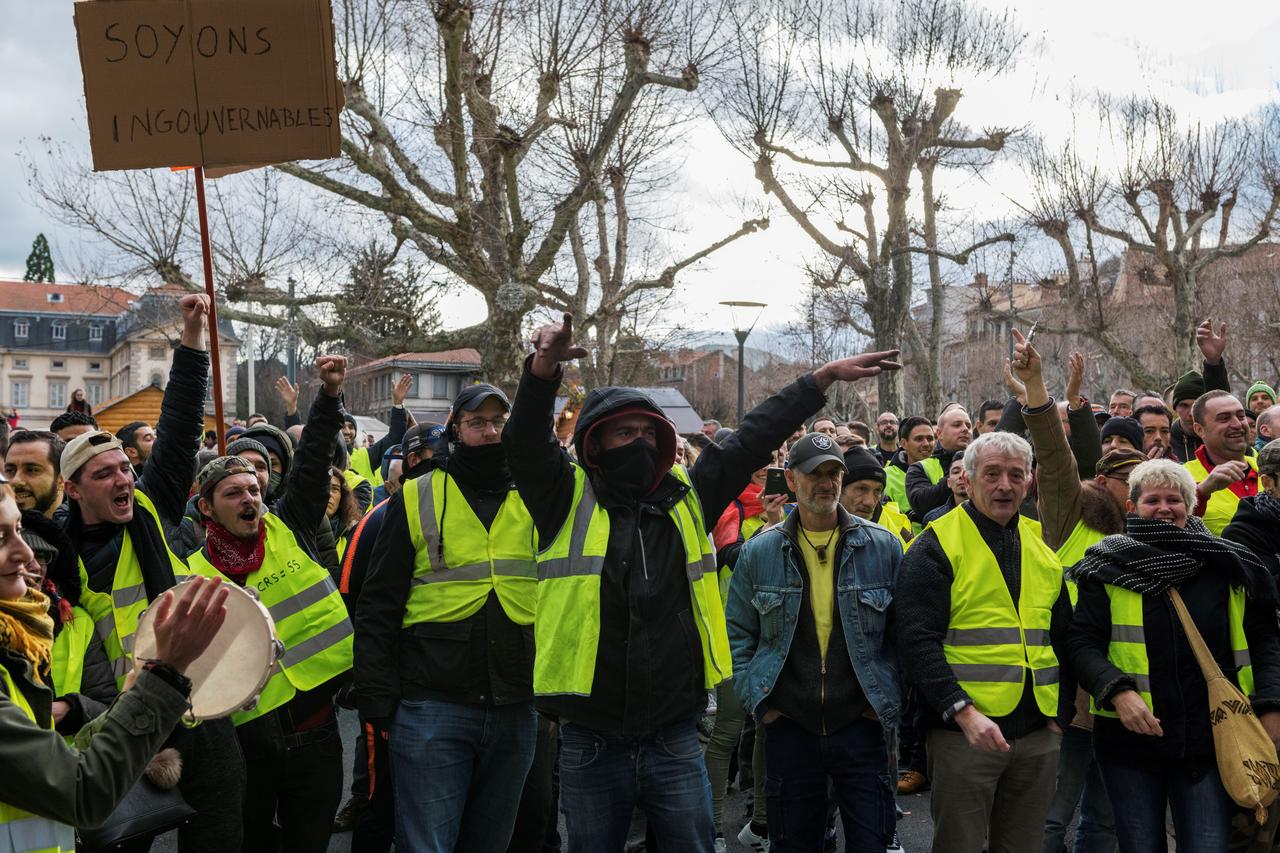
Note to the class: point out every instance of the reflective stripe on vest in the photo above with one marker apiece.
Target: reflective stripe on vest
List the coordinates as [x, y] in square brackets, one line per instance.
[567, 627]
[1072, 551]
[1222, 504]
[66, 660]
[1127, 650]
[991, 644]
[115, 614]
[21, 831]
[311, 620]
[363, 466]
[453, 585]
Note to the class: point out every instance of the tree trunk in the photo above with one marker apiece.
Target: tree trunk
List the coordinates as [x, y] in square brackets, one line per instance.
[937, 293]
[503, 346]
[1186, 355]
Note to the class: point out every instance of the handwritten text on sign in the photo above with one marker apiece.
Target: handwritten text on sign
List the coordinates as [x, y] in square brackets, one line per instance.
[208, 82]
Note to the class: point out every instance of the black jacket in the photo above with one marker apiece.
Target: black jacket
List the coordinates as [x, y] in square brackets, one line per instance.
[1178, 688]
[485, 659]
[923, 494]
[1257, 531]
[649, 666]
[924, 613]
[1085, 439]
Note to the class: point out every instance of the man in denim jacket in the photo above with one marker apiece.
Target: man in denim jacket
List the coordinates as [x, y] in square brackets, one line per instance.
[810, 626]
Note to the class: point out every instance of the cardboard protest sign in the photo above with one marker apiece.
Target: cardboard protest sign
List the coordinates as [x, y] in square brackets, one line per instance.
[208, 82]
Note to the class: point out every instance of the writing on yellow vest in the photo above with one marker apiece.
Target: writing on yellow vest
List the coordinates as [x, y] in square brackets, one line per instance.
[311, 620]
[992, 644]
[452, 580]
[115, 613]
[1072, 551]
[567, 627]
[1222, 504]
[1127, 648]
[21, 831]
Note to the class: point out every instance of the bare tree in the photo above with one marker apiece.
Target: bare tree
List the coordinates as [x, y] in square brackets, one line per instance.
[449, 104]
[854, 95]
[1168, 194]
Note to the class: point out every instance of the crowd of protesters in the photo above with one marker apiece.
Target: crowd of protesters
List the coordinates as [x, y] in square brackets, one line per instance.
[581, 646]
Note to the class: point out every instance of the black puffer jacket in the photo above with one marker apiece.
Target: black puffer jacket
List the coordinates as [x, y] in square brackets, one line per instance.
[649, 667]
[1256, 526]
[1178, 688]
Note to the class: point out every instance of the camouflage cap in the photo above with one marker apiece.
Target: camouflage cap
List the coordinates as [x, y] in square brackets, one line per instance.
[220, 469]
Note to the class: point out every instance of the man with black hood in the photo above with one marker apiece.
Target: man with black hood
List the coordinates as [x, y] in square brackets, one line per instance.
[121, 529]
[444, 638]
[630, 627]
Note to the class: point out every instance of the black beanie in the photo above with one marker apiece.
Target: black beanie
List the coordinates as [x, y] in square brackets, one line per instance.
[861, 464]
[1127, 428]
[1189, 386]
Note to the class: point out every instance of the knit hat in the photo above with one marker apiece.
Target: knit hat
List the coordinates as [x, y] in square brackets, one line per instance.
[220, 469]
[1260, 386]
[722, 435]
[1119, 459]
[1189, 386]
[1126, 428]
[244, 443]
[861, 464]
[45, 551]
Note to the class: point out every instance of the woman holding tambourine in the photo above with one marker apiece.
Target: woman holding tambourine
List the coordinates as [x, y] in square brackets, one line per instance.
[49, 787]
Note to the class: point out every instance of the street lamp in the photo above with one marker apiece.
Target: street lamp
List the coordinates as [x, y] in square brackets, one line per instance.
[744, 316]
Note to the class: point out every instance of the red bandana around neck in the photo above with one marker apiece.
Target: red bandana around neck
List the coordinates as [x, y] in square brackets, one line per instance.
[235, 557]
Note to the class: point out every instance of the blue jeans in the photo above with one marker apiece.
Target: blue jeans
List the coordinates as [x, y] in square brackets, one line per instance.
[799, 764]
[458, 771]
[1192, 790]
[1079, 783]
[604, 778]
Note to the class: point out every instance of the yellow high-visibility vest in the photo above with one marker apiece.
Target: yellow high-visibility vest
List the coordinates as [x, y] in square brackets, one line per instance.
[567, 627]
[66, 660]
[452, 582]
[1222, 504]
[992, 644]
[1072, 551]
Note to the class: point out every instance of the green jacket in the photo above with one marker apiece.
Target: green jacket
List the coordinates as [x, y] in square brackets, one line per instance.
[79, 785]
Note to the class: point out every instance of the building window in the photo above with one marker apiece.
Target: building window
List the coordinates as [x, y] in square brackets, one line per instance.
[95, 365]
[55, 298]
[19, 364]
[157, 380]
[157, 351]
[58, 364]
[57, 395]
[413, 386]
[59, 330]
[95, 333]
[21, 329]
[20, 394]
[93, 393]
[440, 387]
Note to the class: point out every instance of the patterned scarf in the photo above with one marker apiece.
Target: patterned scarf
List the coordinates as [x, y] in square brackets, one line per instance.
[27, 628]
[1152, 556]
[235, 557]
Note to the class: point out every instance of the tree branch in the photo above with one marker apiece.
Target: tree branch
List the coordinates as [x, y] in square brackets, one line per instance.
[961, 257]
[667, 277]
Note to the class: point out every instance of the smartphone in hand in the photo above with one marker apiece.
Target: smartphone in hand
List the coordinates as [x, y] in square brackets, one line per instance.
[775, 483]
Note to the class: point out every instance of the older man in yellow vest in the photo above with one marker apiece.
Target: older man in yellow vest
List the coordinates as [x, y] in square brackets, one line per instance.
[989, 614]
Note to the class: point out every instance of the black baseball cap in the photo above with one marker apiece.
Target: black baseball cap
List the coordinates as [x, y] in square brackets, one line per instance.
[473, 396]
[812, 450]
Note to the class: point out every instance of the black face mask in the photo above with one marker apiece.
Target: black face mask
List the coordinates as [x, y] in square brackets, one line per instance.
[483, 466]
[627, 473]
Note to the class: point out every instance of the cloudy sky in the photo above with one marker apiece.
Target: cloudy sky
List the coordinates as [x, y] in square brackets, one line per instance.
[1207, 65]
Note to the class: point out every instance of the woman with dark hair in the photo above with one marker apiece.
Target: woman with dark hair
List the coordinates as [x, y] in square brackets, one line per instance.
[49, 787]
[343, 512]
[79, 403]
[1152, 735]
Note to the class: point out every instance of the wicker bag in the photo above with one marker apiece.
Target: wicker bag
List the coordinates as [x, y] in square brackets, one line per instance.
[1246, 756]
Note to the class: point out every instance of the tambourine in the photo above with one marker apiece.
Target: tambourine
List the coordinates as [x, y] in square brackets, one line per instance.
[231, 673]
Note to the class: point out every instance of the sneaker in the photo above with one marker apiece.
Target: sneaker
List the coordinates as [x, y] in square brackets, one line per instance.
[895, 846]
[345, 820]
[829, 841]
[912, 782]
[752, 841]
[721, 846]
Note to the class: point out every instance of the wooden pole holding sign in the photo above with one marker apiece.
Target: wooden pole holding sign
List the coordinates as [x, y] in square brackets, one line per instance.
[207, 254]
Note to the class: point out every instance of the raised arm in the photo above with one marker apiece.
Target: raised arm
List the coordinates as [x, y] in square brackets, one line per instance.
[1212, 346]
[399, 422]
[306, 492]
[167, 476]
[541, 469]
